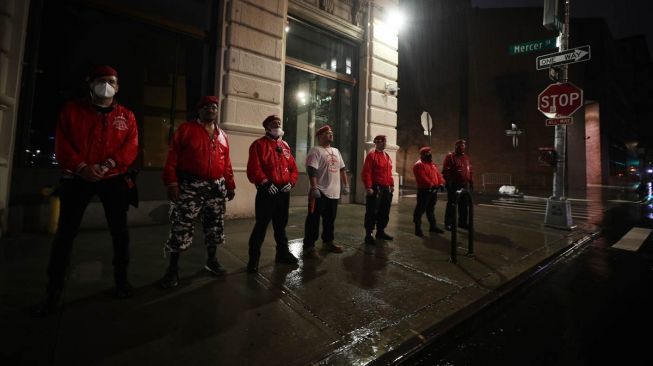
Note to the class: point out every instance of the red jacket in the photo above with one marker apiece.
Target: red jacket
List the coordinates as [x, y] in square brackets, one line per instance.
[427, 174]
[377, 169]
[85, 136]
[457, 169]
[194, 152]
[271, 160]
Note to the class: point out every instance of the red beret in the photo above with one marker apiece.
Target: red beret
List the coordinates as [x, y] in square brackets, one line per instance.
[424, 150]
[461, 141]
[103, 70]
[323, 129]
[379, 137]
[209, 99]
[270, 118]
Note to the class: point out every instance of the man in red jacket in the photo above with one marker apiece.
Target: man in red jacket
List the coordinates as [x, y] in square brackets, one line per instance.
[457, 171]
[272, 168]
[379, 184]
[200, 180]
[429, 181]
[96, 141]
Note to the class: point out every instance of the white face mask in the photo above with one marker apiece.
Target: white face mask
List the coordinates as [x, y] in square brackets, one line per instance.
[276, 132]
[104, 90]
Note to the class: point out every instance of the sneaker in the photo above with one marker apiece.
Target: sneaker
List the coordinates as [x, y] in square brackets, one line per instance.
[418, 231]
[286, 258]
[382, 235]
[215, 267]
[311, 253]
[448, 227]
[369, 239]
[170, 278]
[463, 226]
[123, 291]
[334, 248]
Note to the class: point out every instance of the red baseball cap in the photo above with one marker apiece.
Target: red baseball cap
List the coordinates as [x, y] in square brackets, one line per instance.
[379, 137]
[102, 70]
[208, 99]
[424, 150]
[323, 129]
[461, 141]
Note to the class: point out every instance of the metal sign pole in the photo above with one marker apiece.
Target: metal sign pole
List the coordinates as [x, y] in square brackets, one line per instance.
[558, 208]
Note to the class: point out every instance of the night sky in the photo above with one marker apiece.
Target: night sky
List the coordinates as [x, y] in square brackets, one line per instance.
[624, 17]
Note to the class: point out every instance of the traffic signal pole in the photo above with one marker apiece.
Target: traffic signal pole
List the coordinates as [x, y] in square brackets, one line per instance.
[558, 208]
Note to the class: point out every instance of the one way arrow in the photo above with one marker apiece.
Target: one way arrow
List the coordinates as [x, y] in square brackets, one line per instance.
[562, 58]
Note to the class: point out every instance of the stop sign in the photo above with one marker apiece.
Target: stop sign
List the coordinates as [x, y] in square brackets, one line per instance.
[560, 100]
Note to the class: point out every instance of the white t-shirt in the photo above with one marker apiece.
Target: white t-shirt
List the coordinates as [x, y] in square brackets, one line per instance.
[328, 162]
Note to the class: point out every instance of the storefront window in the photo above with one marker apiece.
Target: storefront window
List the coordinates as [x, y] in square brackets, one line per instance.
[316, 96]
[162, 70]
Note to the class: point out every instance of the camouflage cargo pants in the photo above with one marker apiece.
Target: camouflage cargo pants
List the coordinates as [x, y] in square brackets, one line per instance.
[197, 198]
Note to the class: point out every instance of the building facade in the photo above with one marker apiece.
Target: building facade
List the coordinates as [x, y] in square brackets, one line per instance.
[311, 62]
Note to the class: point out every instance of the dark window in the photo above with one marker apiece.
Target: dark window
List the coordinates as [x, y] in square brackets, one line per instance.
[161, 58]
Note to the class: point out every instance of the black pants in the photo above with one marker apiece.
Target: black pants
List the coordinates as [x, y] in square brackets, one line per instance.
[270, 208]
[462, 205]
[326, 208]
[377, 208]
[426, 201]
[75, 197]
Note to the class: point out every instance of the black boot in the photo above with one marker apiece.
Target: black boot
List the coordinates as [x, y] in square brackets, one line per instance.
[171, 277]
[123, 289]
[418, 230]
[369, 239]
[212, 264]
[254, 257]
[433, 228]
[284, 256]
[380, 234]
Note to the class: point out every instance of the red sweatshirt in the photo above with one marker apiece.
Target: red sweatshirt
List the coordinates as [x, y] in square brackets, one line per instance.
[193, 151]
[85, 136]
[377, 169]
[427, 174]
[271, 160]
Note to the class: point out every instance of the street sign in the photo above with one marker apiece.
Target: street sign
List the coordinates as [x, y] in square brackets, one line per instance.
[550, 18]
[560, 100]
[578, 54]
[558, 121]
[532, 46]
[427, 123]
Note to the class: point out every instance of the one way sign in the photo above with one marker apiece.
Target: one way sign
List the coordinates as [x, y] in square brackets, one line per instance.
[571, 56]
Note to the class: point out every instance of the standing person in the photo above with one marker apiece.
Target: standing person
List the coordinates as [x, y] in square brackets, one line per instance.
[200, 180]
[272, 168]
[379, 186]
[429, 181]
[326, 170]
[96, 141]
[457, 172]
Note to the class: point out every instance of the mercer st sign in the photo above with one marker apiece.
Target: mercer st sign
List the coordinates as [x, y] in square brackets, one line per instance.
[560, 100]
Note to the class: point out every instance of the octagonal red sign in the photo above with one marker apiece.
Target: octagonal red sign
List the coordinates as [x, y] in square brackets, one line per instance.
[560, 100]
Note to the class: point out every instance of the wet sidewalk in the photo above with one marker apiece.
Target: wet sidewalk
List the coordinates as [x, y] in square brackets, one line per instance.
[345, 309]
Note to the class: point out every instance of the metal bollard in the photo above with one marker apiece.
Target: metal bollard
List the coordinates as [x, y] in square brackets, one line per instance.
[454, 225]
